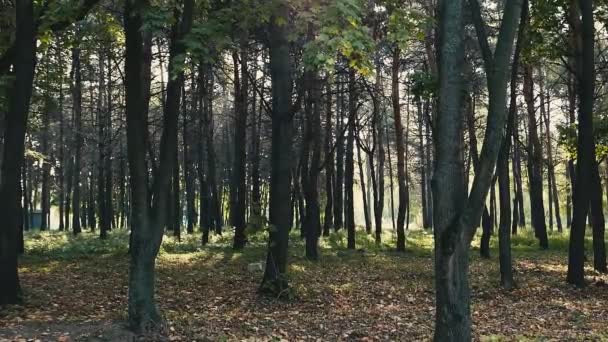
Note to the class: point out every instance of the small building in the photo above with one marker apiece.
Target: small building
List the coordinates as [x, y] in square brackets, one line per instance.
[35, 219]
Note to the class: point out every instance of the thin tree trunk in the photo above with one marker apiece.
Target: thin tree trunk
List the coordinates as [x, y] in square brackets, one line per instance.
[238, 190]
[535, 160]
[329, 164]
[349, 167]
[78, 140]
[400, 150]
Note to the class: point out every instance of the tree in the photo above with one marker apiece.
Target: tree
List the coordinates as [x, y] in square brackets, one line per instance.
[400, 151]
[14, 144]
[148, 217]
[274, 280]
[456, 215]
[587, 176]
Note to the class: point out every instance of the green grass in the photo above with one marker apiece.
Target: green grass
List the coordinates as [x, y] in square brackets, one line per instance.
[373, 290]
[64, 245]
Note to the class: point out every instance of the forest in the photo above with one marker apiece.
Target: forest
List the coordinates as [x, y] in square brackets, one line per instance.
[303, 170]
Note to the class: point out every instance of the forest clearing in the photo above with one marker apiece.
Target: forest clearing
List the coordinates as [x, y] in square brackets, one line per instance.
[227, 170]
[78, 288]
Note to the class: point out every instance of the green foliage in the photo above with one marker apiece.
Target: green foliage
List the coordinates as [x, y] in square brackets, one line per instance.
[63, 245]
[405, 25]
[341, 34]
[568, 138]
[548, 31]
[423, 84]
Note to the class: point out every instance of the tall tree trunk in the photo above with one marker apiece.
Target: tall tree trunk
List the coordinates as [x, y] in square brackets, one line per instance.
[256, 217]
[78, 139]
[452, 298]
[457, 216]
[504, 230]
[104, 224]
[216, 195]
[188, 162]
[553, 193]
[45, 200]
[274, 280]
[400, 150]
[148, 217]
[349, 166]
[486, 218]
[329, 164]
[586, 166]
[535, 161]
[312, 229]
[422, 156]
[238, 190]
[366, 213]
[14, 148]
[339, 183]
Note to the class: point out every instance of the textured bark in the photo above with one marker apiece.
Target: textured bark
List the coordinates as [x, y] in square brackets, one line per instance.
[456, 217]
[329, 164]
[312, 228]
[102, 137]
[422, 153]
[339, 183]
[349, 164]
[400, 151]
[535, 160]
[274, 281]
[238, 188]
[45, 198]
[553, 193]
[586, 165]
[504, 230]
[366, 213]
[148, 218]
[78, 139]
[14, 148]
[378, 177]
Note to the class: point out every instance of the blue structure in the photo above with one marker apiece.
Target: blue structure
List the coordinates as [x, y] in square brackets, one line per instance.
[35, 219]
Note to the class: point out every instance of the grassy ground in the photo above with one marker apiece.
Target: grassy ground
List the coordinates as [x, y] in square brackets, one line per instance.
[76, 289]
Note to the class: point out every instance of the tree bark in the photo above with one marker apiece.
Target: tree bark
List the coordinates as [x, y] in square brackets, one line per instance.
[14, 148]
[535, 161]
[238, 189]
[585, 175]
[329, 164]
[349, 166]
[274, 281]
[148, 217]
[400, 150]
[78, 139]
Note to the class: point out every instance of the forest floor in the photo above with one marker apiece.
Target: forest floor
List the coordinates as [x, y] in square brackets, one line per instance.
[76, 290]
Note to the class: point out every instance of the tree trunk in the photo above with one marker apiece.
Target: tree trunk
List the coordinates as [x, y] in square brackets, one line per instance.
[456, 216]
[400, 150]
[78, 139]
[366, 213]
[14, 148]
[313, 129]
[422, 155]
[339, 183]
[275, 281]
[148, 217]
[238, 190]
[45, 200]
[349, 166]
[329, 165]
[586, 178]
[535, 160]
[553, 193]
